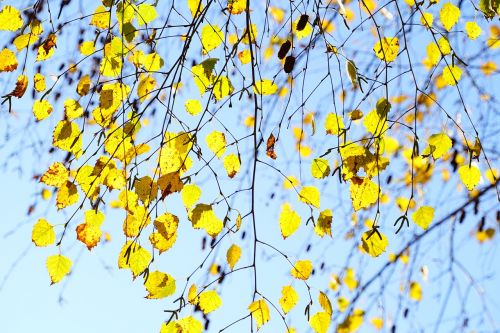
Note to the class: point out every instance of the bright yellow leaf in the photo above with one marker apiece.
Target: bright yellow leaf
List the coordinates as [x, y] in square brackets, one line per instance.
[203, 217]
[415, 291]
[310, 195]
[8, 61]
[364, 193]
[320, 322]
[289, 220]
[211, 37]
[324, 223]
[374, 243]
[289, 298]
[134, 257]
[159, 285]
[216, 142]
[58, 267]
[439, 144]
[470, 176]
[260, 312]
[423, 216]
[43, 233]
[233, 255]
[193, 106]
[473, 30]
[302, 269]
[10, 19]
[265, 87]
[209, 301]
[232, 165]
[449, 15]
[387, 49]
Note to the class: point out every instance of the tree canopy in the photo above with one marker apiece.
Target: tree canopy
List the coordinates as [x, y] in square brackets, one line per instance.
[291, 166]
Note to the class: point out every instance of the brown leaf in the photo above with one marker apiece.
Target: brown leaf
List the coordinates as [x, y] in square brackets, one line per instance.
[270, 147]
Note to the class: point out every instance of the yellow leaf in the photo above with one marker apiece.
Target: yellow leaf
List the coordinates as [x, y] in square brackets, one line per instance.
[260, 312]
[89, 232]
[134, 257]
[209, 301]
[342, 303]
[190, 194]
[203, 217]
[350, 279]
[374, 244]
[236, 6]
[72, 109]
[58, 267]
[427, 19]
[159, 285]
[21, 85]
[41, 109]
[470, 176]
[387, 49]
[452, 74]
[211, 37]
[485, 235]
[67, 195]
[136, 220]
[233, 255]
[320, 322]
[145, 14]
[162, 243]
[289, 220]
[67, 136]
[188, 324]
[24, 40]
[56, 175]
[8, 61]
[216, 142]
[232, 165]
[265, 87]
[101, 17]
[83, 86]
[193, 106]
[415, 291]
[302, 269]
[245, 57]
[146, 189]
[203, 74]
[325, 303]
[423, 216]
[195, 6]
[324, 223]
[439, 144]
[364, 193]
[449, 15]
[47, 49]
[310, 195]
[473, 30]
[43, 233]
[444, 46]
[320, 168]
[375, 121]
[377, 322]
[10, 19]
[352, 323]
[87, 48]
[222, 87]
[145, 87]
[289, 298]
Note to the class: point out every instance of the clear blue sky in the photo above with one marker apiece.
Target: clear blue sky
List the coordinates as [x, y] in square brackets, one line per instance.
[97, 297]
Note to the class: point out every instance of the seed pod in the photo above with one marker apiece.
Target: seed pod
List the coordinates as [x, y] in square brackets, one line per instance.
[302, 22]
[284, 48]
[289, 64]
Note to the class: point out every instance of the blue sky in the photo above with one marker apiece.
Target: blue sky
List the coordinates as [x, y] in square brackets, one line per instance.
[98, 297]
